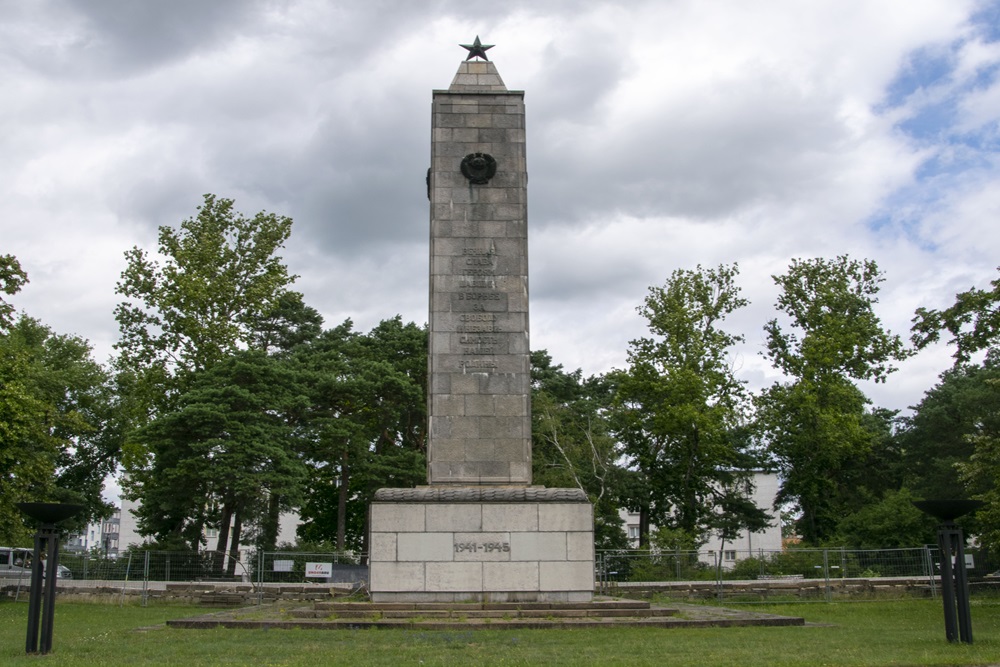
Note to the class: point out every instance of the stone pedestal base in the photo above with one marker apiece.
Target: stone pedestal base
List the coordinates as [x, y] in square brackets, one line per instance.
[446, 544]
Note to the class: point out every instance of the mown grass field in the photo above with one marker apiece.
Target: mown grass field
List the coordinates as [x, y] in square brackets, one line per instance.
[859, 633]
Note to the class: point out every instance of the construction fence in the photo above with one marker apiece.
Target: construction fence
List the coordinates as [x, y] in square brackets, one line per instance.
[727, 576]
[163, 575]
[790, 574]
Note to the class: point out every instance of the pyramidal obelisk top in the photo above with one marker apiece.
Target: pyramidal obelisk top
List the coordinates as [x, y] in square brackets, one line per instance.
[477, 75]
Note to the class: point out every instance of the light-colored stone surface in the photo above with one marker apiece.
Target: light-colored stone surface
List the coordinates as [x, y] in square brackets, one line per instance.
[543, 561]
[396, 577]
[580, 546]
[566, 576]
[510, 576]
[510, 516]
[482, 547]
[383, 547]
[556, 516]
[538, 546]
[398, 517]
[454, 577]
[455, 517]
[424, 547]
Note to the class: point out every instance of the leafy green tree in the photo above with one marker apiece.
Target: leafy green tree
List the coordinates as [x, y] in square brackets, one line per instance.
[218, 290]
[53, 403]
[679, 403]
[219, 280]
[969, 448]
[938, 436]
[12, 279]
[366, 425]
[973, 322]
[891, 522]
[981, 474]
[227, 447]
[815, 425]
[572, 445]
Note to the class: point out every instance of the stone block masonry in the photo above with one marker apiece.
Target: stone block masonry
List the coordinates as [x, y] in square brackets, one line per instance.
[479, 531]
[479, 429]
[427, 549]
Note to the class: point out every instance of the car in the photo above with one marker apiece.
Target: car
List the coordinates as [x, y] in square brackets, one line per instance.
[16, 562]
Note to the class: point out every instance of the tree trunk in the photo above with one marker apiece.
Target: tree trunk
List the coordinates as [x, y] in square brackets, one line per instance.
[643, 527]
[234, 545]
[342, 493]
[220, 547]
[269, 529]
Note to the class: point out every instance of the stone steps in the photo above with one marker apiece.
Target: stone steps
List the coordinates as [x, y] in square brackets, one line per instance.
[374, 612]
[471, 616]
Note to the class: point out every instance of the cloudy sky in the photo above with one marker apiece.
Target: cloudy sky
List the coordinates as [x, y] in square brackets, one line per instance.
[661, 134]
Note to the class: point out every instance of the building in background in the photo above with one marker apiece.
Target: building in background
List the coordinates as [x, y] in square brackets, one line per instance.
[102, 535]
[765, 490]
[129, 535]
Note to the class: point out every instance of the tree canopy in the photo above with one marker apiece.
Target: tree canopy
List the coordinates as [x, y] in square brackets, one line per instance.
[679, 405]
[220, 281]
[815, 425]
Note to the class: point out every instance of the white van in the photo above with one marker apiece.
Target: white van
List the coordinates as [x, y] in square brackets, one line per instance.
[16, 562]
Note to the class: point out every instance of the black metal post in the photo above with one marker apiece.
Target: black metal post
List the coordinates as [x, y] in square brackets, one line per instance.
[44, 573]
[954, 578]
[34, 596]
[947, 582]
[954, 584]
[49, 599]
[962, 590]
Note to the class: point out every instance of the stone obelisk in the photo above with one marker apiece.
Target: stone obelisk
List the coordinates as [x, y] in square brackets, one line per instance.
[479, 412]
[479, 530]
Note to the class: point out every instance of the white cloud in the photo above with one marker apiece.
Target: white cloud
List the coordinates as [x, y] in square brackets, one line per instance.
[661, 135]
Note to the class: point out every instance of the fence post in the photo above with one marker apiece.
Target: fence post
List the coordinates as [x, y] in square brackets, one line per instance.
[718, 574]
[598, 563]
[260, 577]
[826, 574]
[929, 569]
[128, 569]
[145, 579]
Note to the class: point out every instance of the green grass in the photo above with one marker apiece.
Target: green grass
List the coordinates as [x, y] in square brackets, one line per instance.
[861, 633]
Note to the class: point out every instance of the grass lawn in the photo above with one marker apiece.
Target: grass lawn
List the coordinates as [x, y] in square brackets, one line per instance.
[859, 633]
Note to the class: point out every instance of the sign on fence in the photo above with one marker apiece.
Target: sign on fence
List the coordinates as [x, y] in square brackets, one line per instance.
[284, 565]
[319, 570]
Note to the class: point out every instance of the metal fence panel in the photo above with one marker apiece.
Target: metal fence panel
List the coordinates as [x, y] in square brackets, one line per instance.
[730, 575]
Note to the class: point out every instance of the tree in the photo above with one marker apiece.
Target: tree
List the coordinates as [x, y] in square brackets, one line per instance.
[890, 522]
[939, 434]
[220, 279]
[572, 445]
[366, 426]
[218, 293]
[12, 279]
[679, 403]
[980, 473]
[223, 452]
[54, 401]
[970, 432]
[973, 321]
[815, 424]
